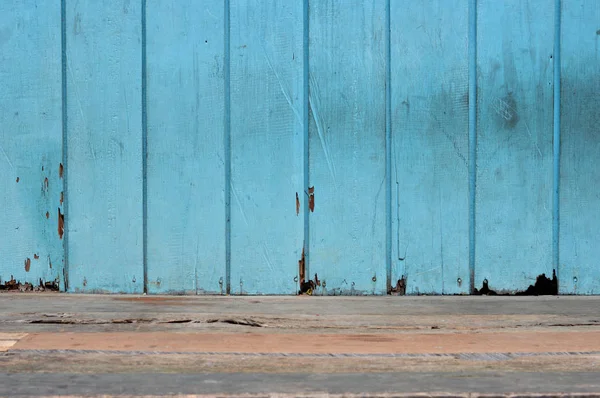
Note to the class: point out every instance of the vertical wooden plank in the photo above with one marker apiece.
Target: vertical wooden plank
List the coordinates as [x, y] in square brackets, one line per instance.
[430, 146]
[580, 174]
[514, 143]
[104, 146]
[186, 210]
[30, 142]
[347, 145]
[266, 145]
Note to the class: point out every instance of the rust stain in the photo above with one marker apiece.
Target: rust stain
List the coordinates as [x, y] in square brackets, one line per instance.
[297, 204]
[61, 224]
[62, 197]
[60, 170]
[47, 214]
[27, 264]
[301, 268]
[35, 256]
[311, 199]
[17, 179]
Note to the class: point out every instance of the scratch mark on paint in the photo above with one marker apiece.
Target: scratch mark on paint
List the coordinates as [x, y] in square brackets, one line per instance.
[62, 197]
[313, 101]
[47, 214]
[8, 159]
[267, 258]
[60, 170]
[502, 109]
[427, 271]
[239, 203]
[508, 112]
[311, 199]
[27, 264]
[532, 140]
[441, 126]
[297, 204]
[211, 14]
[49, 262]
[456, 148]
[283, 90]
[17, 179]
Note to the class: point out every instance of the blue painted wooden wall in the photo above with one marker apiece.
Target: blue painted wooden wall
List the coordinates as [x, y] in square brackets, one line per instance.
[242, 146]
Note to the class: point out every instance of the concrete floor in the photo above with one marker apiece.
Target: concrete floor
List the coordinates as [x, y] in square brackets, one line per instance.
[156, 345]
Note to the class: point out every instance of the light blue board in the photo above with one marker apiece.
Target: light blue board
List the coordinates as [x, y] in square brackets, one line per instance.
[430, 244]
[579, 271]
[30, 142]
[104, 179]
[347, 146]
[186, 177]
[266, 145]
[514, 143]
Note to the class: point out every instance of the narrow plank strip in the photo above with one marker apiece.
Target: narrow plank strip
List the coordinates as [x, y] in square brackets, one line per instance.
[434, 343]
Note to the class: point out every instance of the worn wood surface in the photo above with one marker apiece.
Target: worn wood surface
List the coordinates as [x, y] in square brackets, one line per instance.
[209, 146]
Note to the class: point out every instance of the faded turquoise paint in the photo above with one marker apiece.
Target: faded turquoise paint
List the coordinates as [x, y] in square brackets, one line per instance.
[30, 142]
[580, 140]
[104, 129]
[266, 145]
[186, 173]
[430, 152]
[347, 145]
[240, 105]
[514, 143]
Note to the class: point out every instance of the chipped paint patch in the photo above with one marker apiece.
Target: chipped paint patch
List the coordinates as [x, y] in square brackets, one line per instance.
[43, 286]
[61, 224]
[544, 286]
[311, 199]
[400, 288]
